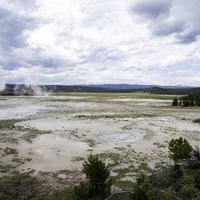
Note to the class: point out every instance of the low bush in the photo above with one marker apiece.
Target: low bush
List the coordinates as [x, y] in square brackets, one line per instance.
[197, 120]
[98, 183]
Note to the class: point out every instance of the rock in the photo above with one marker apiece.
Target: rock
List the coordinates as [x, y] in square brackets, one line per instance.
[90, 150]
[156, 143]
[62, 176]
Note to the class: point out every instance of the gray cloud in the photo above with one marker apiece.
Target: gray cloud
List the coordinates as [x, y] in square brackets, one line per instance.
[152, 10]
[170, 17]
[23, 2]
[4, 13]
[129, 68]
[97, 53]
[101, 54]
[167, 28]
[13, 36]
[189, 36]
[12, 29]
[44, 60]
[11, 63]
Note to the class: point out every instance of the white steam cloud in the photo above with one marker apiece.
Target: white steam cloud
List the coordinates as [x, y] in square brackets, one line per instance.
[2, 84]
[31, 86]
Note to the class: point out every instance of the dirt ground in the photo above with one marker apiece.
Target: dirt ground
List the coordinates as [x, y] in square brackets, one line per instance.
[49, 138]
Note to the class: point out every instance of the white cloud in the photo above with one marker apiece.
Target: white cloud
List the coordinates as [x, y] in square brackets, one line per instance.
[78, 42]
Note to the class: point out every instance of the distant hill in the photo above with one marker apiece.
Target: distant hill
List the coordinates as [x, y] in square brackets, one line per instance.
[195, 90]
[155, 90]
[122, 86]
[22, 89]
[128, 86]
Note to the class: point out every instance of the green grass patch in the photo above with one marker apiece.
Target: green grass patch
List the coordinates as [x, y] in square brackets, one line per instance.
[126, 184]
[64, 194]
[144, 166]
[119, 116]
[122, 172]
[59, 100]
[119, 95]
[90, 142]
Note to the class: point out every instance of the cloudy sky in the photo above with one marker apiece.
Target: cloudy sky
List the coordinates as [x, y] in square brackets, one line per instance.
[100, 41]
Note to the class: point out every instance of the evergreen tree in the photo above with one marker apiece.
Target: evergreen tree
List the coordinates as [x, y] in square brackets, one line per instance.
[98, 184]
[198, 102]
[180, 102]
[191, 103]
[185, 103]
[175, 102]
[179, 149]
[141, 189]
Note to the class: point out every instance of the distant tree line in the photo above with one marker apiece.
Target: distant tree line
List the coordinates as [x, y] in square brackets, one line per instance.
[11, 93]
[187, 100]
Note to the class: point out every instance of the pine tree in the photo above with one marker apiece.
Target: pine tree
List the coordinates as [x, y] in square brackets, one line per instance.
[185, 103]
[191, 103]
[180, 102]
[179, 149]
[175, 102]
[97, 174]
[198, 102]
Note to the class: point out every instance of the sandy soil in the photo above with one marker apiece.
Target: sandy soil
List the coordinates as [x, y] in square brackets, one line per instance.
[52, 136]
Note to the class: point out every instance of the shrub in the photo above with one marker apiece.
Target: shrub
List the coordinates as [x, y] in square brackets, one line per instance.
[140, 189]
[176, 172]
[198, 102]
[197, 179]
[97, 174]
[197, 120]
[81, 190]
[191, 103]
[175, 102]
[185, 103]
[179, 149]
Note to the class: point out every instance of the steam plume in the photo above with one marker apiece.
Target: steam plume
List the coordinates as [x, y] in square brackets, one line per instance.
[2, 84]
